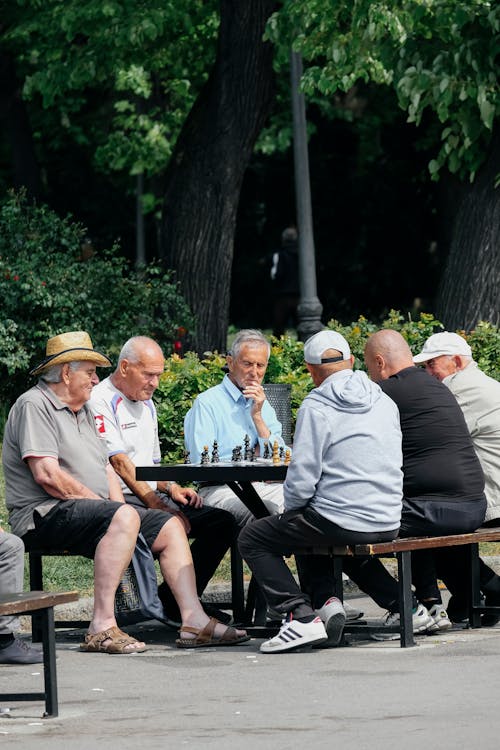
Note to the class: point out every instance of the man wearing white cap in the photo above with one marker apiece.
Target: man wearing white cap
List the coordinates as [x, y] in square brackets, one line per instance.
[343, 486]
[448, 357]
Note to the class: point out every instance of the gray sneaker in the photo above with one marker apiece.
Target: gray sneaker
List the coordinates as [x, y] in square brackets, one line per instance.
[18, 652]
[422, 621]
[333, 617]
[352, 613]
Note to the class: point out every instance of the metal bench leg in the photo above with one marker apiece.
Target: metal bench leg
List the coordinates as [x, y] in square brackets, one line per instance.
[405, 599]
[474, 584]
[337, 577]
[36, 584]
[237, 586]
[49, 662]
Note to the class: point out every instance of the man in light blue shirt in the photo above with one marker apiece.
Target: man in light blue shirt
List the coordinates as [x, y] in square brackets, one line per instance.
[229, 411]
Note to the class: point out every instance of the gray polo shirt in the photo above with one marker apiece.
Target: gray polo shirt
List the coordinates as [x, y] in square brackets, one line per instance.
[41, 425]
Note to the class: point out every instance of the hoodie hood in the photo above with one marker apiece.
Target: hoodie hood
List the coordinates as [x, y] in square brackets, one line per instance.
[347, 391]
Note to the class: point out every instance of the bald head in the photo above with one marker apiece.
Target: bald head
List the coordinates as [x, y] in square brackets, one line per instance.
[140, 365]
[386, 353]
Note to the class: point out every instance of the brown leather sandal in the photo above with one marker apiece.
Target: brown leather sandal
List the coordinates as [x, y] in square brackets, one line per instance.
[110, 641]
[205, 637]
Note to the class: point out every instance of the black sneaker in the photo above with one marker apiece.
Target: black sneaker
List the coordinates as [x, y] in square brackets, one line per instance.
[491, 599]
[18, 652]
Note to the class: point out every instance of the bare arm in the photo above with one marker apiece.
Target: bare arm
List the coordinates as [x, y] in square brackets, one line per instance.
[115, 490]
[125, 468]
[57, 482]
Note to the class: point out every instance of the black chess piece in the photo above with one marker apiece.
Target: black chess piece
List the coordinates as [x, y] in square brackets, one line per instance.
[185, 457]
[236, 456]
[252, 454]
[266, 450]
[204, 455]
[248, 451]
[282, 453]
[215, 452]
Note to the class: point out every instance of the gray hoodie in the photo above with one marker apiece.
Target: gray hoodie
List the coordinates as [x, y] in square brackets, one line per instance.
[347, 456]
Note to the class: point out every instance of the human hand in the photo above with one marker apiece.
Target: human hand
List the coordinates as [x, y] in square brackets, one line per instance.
[185, 496]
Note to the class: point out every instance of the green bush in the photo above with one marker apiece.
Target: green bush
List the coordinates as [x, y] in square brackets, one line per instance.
[184, 378]
[50, 284]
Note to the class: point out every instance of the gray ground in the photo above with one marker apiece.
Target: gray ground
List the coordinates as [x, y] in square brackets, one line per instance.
[444, 693]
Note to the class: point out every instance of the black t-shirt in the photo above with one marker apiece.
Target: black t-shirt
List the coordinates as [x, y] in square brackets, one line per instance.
[439, 460]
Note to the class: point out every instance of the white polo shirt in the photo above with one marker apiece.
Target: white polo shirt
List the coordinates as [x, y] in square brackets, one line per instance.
[129, 427]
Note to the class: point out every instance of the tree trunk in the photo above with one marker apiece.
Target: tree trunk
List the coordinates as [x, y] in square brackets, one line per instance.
[469, 290]
[205, 174]
[16, 125]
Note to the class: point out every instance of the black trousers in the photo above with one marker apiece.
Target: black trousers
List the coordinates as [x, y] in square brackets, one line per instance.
[424, 518]
[212, 533]
[265, 542]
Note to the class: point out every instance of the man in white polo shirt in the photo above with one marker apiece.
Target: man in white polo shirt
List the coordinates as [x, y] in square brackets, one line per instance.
[126, 417]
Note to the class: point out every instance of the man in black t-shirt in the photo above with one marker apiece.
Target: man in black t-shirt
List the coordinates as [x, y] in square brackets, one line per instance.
[443, 484]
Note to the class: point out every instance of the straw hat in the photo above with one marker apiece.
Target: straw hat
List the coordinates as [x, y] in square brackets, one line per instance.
[70, 347]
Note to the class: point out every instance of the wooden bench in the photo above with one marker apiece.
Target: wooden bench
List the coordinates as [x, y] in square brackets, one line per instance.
[402, 549]
[41, 603]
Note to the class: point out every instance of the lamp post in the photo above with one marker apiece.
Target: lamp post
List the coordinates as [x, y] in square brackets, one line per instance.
[310, 308]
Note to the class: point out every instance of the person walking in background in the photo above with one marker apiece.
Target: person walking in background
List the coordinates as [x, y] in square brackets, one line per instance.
[285, 277]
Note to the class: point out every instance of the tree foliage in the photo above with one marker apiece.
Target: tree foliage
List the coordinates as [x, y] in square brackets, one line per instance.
[440, 56]
[51, 281]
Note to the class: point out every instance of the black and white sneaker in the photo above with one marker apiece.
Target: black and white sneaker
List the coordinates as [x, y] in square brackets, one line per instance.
[295, 634]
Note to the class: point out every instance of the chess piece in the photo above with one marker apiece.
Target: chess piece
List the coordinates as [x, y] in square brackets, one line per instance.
[215, 452]
[236, 456]
[185, 457]
[288, 456]
[252, 454]
[248, 451]
[204, 455]
[276, 454]
[266, 450]
[282, 453]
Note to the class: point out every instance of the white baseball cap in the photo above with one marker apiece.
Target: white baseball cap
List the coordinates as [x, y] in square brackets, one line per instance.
[320, 342]
[443, 343]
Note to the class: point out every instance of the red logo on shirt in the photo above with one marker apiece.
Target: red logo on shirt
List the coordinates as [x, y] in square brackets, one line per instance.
[99, 421]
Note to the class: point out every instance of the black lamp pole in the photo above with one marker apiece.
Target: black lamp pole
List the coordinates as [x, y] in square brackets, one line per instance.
[310, 308]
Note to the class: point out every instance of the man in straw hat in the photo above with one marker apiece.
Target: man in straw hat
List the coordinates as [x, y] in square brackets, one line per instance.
[62, 494]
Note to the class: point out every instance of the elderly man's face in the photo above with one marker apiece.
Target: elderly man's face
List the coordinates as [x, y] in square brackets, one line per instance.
[140, 379]
[80, 382]
[249, 367]
[441, 367]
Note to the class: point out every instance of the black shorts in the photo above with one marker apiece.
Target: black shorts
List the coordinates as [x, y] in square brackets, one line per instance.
[77, 526]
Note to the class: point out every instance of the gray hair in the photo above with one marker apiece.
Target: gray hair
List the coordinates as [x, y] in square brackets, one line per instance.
[54, 374]
[130, 349]
[249, 336]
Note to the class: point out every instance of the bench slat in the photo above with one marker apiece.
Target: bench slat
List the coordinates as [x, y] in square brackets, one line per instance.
[30, 601]
[428, 542]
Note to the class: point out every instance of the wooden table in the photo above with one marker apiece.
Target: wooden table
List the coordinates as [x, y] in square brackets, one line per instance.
[239, 477]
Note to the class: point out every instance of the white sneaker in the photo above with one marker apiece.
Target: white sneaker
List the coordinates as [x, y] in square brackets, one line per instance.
[333, 617]
[440, 618]
[421, 618]
[294, 634]
[352, 613]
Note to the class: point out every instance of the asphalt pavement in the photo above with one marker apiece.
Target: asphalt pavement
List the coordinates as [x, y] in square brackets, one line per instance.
[444, 693]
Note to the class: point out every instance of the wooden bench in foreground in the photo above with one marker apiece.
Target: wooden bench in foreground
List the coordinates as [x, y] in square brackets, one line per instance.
[41, 603]
[402, 549]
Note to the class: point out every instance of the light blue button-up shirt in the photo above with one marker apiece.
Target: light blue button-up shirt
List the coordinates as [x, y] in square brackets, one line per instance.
[222, 413]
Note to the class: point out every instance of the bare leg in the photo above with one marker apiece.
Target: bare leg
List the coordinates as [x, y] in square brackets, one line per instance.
[112, 555]
[176, 564]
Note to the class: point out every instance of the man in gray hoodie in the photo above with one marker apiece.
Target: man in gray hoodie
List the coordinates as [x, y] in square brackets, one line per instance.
[343, 486]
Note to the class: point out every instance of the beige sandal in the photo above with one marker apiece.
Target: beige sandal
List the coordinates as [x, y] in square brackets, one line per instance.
[111, 641]
[205, 637]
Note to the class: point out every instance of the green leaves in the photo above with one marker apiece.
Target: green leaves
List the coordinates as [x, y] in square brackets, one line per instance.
[53, 280]
[440, 56]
